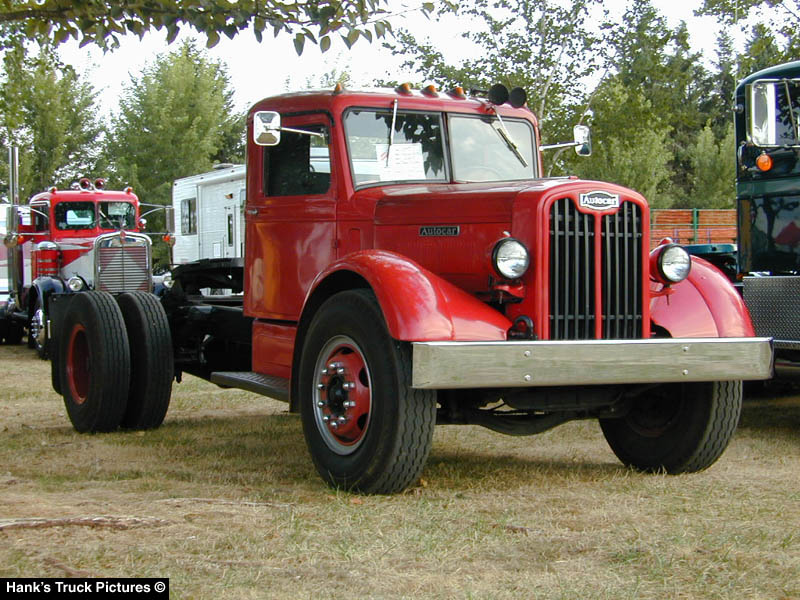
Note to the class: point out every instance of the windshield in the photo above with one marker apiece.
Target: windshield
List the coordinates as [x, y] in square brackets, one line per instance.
[775, 113]
[482, 151]
[117, 215]
[74, 215]
[414, 151]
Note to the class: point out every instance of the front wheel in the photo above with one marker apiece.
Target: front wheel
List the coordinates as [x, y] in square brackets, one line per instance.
[37, 333]
[678, 428]
[367, 430]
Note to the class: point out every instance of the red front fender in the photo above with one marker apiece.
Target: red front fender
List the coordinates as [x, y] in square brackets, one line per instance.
[417, 304]
[704, 305]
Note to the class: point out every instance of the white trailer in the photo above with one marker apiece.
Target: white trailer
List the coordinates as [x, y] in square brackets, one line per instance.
[209, 210]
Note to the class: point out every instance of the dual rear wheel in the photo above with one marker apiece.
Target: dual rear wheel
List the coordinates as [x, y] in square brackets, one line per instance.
[114, 361]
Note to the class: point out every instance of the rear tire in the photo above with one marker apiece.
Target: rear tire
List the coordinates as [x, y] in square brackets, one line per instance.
[151, 360]
[679, 428]
[94, 358]
[367, 430]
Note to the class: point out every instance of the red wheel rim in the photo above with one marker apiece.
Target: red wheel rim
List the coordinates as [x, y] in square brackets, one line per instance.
[342, 395]
[78, 364]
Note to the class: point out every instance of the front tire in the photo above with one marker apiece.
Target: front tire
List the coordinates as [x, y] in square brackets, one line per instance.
[152, 367]
[94, 359]
[679, 428]
[37, 333]
[367, 430]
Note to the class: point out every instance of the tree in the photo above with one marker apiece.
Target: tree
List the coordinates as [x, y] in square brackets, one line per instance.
[48, 111]
[175, 119]
[631, 146]
[713, 171]
[778, 17]
[761, 50]
[542, 46]
[104, 21]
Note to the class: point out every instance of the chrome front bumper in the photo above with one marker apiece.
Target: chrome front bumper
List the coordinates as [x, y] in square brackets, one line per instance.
[444, 365]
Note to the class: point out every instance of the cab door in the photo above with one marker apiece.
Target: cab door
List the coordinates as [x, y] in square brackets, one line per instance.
[290, 219]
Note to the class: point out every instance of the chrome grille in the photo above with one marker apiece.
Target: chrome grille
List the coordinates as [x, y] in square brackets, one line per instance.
[571, 273]
[573, 280]
[122, 264]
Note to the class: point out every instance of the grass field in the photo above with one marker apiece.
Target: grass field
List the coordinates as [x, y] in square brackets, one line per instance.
[223, 500]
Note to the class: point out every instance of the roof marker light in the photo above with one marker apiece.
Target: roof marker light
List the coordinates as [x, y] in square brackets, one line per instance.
[458, 92]
[430, 90]
[404, 88]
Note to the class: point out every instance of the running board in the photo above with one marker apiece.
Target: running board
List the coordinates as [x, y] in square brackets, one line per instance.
[266, 385]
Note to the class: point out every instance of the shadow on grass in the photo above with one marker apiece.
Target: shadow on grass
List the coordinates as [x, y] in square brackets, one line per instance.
[780, 416]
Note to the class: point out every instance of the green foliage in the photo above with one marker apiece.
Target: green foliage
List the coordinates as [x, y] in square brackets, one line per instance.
[541, 46]
[713, 171]
[103, 22]
[175, 119]
[48, 111]
[631, 144]
[778, 20]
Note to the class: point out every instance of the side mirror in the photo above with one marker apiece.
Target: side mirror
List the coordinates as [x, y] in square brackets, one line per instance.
[583, 140]
[169, 218]
[267, 128]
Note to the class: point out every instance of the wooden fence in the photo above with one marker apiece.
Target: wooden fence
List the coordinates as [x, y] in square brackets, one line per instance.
[693, 226]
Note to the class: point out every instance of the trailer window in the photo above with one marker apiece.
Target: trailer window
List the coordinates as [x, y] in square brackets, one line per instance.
[117, 215]
[189, 216]
[74, 215]
[299, 165]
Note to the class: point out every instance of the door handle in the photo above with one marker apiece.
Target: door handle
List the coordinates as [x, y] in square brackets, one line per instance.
[251, 211]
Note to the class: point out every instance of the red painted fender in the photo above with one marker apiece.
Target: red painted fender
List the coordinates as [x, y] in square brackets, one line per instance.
[417, 304]
[704, 305]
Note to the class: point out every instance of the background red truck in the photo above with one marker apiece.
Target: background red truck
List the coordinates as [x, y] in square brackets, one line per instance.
[407, 264]
[66, 241]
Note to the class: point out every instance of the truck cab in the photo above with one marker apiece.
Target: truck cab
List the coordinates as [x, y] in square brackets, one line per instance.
[74, 240]
[768, 202]
[407, 264]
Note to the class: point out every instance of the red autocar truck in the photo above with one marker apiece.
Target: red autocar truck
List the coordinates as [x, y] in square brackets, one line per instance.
[66, 241]
[408, 264]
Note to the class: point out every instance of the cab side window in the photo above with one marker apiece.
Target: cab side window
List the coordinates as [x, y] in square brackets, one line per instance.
[298, 166]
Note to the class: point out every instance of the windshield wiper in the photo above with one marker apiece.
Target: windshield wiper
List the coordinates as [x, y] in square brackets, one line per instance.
[503, 133]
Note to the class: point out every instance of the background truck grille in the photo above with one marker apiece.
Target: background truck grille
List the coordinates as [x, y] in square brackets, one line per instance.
[574, 266]
[123, 264]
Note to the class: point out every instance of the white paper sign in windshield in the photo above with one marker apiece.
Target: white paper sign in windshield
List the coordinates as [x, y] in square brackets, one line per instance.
[400, 162]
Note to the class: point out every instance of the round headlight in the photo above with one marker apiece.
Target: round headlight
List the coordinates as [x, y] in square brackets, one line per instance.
[674, 263]
[510, 258]
[75, 284]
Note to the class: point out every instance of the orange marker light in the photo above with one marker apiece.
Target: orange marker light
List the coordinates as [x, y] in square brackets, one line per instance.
[458, 92]
[430, 90]
[404, 88]
[764, 162]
